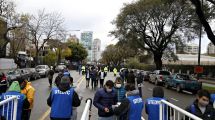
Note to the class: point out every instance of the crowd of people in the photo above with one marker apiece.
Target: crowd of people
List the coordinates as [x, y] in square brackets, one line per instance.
[117, 99]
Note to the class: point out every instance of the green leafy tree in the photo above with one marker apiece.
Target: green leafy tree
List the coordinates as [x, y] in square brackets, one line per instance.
[116, 54]
[51, 58]
[152, 24]
[78, 52]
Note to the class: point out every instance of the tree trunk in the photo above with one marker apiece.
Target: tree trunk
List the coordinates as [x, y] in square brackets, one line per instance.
[36, 57]
[158, 61]
[59, 56]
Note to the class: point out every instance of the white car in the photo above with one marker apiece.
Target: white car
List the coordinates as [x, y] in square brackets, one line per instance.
[159, 76]
[43, 70]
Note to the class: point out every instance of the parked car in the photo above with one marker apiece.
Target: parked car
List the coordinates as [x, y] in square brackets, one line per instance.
[43, 70]
[33, 74]
[25, 73]
[60, 68]
[159, 76]
[146, 75]
[183, 82]
[14, 74]
[3, 83]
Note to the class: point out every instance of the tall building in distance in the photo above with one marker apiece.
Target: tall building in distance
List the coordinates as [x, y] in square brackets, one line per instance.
[96, 50]
[211, 49]
[87, 40]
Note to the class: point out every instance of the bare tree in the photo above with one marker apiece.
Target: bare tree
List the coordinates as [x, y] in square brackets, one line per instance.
[8, 23]
[43, 27]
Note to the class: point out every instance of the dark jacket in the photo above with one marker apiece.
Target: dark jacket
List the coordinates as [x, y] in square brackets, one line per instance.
[209, 112]
[3, 83]
[102, 100]
[58, 79]
[131, 78]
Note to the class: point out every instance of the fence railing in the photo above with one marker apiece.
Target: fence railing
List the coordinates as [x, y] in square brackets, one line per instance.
[87, 110]
[9, 108]
[168, 111]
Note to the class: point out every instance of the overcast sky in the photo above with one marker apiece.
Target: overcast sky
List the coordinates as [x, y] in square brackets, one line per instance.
[84, 15]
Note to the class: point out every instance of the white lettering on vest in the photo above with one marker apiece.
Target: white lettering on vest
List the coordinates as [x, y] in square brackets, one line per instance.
[137, 100]
[8, 96]
[63, 93]
[154, 102]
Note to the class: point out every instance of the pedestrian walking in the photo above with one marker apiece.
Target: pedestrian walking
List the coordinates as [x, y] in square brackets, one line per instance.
[104, 99]
[83, 70]
[58, 78]
[93, 76]
[140, 77]
[131, 78]
[14, 90]
[114, 72]
[87, 77]
[201, 107]
[131, 107]
[28, 90]
[120, 89]
[50, 76]
[152, 105]
[60, 97]
[101, 78]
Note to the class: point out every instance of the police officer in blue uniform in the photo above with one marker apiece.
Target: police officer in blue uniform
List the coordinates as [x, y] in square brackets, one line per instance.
[61, 96]
[131, 107]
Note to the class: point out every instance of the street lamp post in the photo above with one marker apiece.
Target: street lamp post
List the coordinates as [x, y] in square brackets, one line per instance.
[200, 40]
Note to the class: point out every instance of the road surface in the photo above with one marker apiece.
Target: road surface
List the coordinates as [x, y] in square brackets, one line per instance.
[41, 110]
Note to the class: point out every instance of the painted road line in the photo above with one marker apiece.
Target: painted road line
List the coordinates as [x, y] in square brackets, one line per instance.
[150, 89]
[45, 115]
[174, 99]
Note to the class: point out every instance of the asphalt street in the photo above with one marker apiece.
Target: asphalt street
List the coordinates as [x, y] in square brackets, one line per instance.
[41, 110]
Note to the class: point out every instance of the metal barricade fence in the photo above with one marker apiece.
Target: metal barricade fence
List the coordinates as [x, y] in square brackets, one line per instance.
[87, 110]
[168, 111]
[10, 106]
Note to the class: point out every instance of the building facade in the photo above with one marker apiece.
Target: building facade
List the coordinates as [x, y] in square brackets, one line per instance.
[211, 49]
[87, 40]
[191, 48]
[96, 50]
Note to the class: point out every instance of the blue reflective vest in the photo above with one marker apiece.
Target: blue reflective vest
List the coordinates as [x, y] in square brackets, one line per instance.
[61, 106]
[152, 107]
[212, 98]
[10, 107]
[136, 107]
[66, 74]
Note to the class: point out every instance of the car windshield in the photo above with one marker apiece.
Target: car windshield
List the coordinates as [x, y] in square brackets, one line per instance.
[40, 67]
[164, 73]
[185, 77]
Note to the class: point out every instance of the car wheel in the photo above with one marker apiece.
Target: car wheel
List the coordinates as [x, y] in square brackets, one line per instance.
[178, 88]
[194, 92]
[166, 85]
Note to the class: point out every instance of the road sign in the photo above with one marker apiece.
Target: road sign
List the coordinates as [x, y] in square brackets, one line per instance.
[198, 69]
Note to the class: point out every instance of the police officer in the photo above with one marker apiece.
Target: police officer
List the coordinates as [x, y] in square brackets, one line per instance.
[131, 107]
[61, 96]
[14, 90]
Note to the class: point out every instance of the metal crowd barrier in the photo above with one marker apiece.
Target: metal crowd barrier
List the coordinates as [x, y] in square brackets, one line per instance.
[168, 111]
[87, 110]
[11, 105]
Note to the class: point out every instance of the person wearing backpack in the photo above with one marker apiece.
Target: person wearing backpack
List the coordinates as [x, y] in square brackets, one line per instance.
[201, 107]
